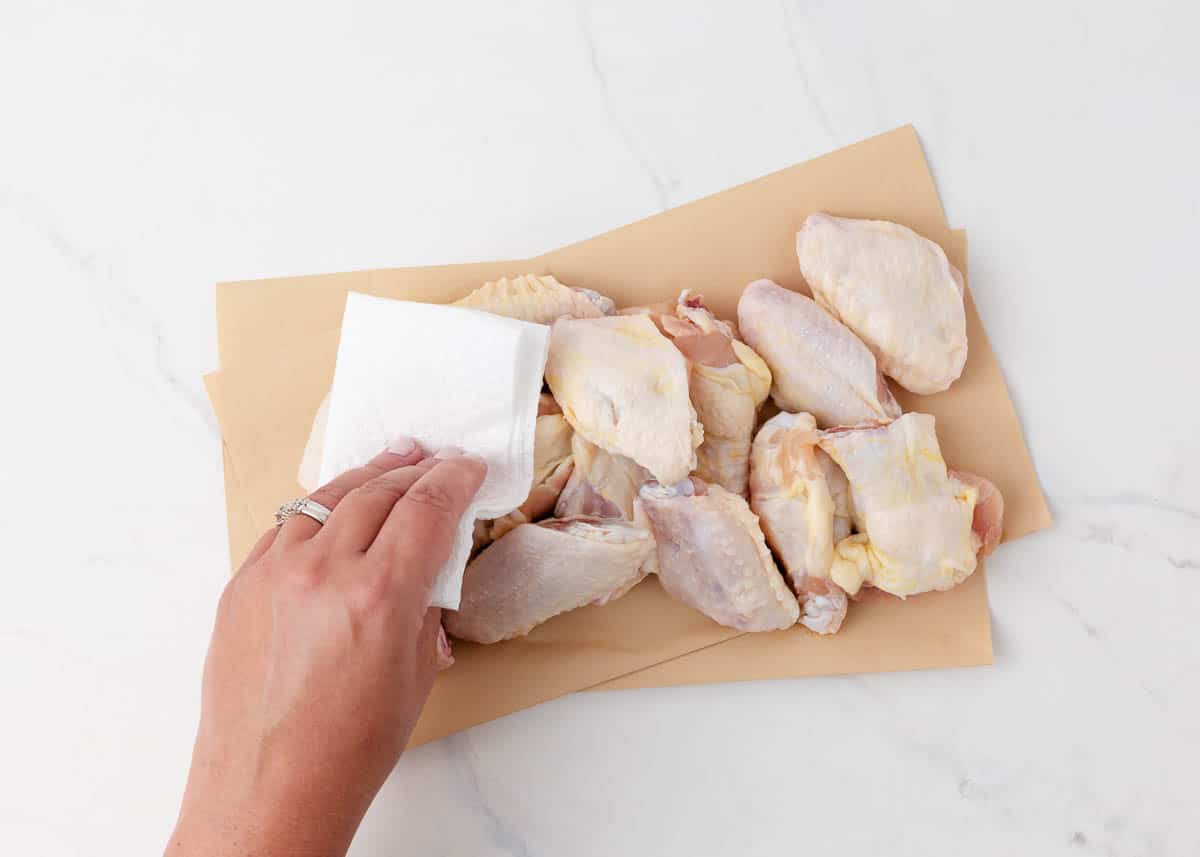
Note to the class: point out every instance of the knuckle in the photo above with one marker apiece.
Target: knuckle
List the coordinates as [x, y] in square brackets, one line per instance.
[376, 467]
[435, 496]
[416, 558]
[365, 475]
[378, 489]
[347, 483]
[328, 495]
[476, 468]
[369, 593]
[406, 556]
[302, 570]
[334, 492]
[241, 590]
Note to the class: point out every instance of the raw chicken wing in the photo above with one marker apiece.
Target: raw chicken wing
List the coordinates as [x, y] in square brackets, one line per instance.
[988, 521]
[839, 490]
[712, 556]
[624, 387]
[817, 365]
[790, 493]
[916, 519]
[538, 571]
[893, 288]
[601, 484]
[728, 384]
[552, 467]
[537, 299]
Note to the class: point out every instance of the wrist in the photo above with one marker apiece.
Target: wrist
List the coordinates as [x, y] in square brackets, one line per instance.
[252, 833]
[225, 816]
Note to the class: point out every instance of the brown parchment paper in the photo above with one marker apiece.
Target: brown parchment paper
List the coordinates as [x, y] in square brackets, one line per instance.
[715, 246]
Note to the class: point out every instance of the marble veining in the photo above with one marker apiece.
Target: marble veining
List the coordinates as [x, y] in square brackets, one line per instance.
[797, 51]
[1142, 501]
[150, 151]
[662, 188]
[500, 833]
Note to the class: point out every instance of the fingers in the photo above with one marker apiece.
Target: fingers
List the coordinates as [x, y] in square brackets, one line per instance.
[401, 452]
[416, 538]
[361, 513]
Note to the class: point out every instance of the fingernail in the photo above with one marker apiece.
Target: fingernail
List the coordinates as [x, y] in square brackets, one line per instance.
[402, 445]
[445, 655]
[448, 452]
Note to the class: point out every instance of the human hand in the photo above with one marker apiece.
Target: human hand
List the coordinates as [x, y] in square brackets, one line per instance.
[322, 656]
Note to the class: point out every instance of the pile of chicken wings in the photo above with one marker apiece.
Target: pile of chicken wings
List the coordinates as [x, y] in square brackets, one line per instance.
[653, 456]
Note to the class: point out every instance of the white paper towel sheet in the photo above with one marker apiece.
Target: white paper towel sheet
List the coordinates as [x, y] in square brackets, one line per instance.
[444, 376]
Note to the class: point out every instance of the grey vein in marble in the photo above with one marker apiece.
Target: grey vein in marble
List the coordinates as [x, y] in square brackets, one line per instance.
[1140, 500]
[662, 188]
[141, 317]
[1169, 535]
[1090, 629]
[789, 27]
[458, 750]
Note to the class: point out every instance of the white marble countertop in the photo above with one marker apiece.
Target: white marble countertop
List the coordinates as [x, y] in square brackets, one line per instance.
[152, 149]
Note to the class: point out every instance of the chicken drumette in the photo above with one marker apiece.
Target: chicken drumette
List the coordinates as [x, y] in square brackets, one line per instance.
[728, 383]
[802, 501]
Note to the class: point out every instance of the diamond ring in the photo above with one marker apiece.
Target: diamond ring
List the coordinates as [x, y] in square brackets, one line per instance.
[302, 506]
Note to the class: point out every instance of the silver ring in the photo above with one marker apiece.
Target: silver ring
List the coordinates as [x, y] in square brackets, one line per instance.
[302, 506]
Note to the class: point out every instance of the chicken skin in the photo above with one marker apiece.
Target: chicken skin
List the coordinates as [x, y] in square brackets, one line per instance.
[988, 520]
[712, 556]
[728, 384]
[893, 288]
[916, 519]
[537, 299]
[790, 491]
[552, 467]
[537, 571]
[817, 365]
[623, 386]
[601, 484]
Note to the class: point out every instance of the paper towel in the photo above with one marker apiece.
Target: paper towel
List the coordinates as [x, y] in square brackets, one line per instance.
[444, 376]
